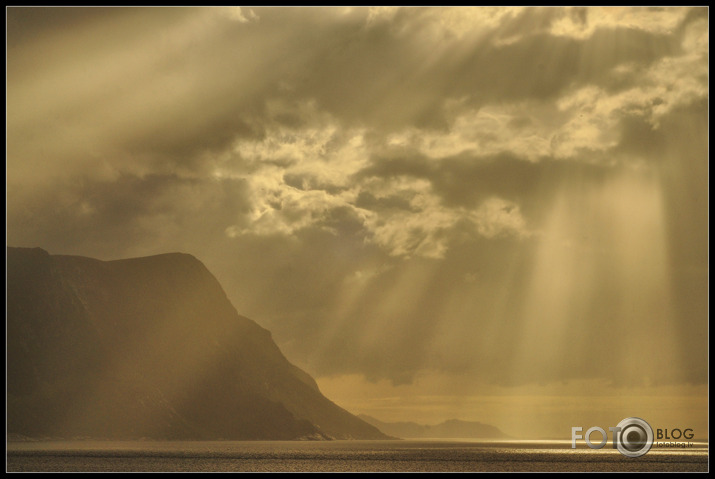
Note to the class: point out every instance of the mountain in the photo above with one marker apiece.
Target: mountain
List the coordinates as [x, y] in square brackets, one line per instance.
[451, 429]
[149, 348]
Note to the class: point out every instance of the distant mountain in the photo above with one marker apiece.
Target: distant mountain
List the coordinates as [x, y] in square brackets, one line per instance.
[149, 348]
[451, 429]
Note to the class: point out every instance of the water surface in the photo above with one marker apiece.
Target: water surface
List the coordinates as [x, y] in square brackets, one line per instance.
[357, 456]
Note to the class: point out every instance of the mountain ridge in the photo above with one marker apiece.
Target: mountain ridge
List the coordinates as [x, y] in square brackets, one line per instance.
[449, 429]
[149, 347]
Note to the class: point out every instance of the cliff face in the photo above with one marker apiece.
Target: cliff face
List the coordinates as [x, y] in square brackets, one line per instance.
[149, 347]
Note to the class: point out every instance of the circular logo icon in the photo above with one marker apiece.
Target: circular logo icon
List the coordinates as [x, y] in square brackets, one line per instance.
[635, 437]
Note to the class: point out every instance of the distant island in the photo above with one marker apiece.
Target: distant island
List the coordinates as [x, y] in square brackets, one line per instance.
[149, 348]
[451, 429]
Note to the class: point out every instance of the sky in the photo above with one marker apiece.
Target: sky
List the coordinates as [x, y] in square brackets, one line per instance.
[495, 214]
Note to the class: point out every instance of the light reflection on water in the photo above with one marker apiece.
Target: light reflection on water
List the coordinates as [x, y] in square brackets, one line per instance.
[408, 455]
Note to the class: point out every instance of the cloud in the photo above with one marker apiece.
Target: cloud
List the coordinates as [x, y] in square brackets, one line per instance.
[368, 201]
[343, 170]
[582, 22]
[496, 217]
[238, 14]
[126, 216]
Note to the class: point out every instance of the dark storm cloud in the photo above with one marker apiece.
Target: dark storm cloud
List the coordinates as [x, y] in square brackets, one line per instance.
[694, 14]
[28, 24]
[199, 94]
[307, 181]
[368, 201]
[129, 215]
[468, 179]
[186, 143]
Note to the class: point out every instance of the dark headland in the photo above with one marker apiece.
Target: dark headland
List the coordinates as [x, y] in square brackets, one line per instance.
[149, 348]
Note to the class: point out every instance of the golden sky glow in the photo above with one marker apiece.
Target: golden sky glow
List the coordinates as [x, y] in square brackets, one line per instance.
[438, 212]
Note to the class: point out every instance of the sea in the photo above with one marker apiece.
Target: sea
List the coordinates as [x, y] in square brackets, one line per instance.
[343, 456]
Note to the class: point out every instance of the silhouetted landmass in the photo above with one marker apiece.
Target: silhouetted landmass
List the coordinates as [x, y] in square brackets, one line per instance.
[149, 348]
[451, 429]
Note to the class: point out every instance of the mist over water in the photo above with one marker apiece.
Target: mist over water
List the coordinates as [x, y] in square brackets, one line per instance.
[353, 456]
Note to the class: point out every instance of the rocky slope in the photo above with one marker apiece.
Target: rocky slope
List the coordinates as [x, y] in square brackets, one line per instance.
[149, 348]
